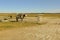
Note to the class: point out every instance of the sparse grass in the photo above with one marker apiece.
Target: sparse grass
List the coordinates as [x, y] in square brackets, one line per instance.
[52, 15]
[42, 23]
[9, 25]
[44, 32]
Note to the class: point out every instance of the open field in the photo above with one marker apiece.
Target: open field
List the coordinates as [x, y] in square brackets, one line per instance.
[48, 28]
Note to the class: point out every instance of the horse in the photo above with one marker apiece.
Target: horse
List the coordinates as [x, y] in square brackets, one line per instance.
[20, 16]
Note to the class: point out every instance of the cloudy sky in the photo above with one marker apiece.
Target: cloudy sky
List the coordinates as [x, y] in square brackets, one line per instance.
[30, 6]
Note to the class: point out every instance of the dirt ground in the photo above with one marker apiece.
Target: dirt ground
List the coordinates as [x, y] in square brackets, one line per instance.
[48, 31]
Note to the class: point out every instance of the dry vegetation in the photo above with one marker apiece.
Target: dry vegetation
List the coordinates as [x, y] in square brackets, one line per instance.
[10, 25]
[47, 29]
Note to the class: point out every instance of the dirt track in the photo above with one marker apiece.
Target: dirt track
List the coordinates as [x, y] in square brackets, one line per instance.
[48, 31]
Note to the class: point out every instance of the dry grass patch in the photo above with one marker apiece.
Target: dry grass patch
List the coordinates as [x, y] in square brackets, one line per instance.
[10, 25]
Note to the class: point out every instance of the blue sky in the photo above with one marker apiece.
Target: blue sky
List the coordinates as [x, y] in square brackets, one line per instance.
[30, 6]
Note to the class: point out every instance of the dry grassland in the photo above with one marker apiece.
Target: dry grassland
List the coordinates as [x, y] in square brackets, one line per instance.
[47, 29]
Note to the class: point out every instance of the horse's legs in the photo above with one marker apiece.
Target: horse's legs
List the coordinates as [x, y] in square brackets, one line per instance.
[17, 19]
[21, 19]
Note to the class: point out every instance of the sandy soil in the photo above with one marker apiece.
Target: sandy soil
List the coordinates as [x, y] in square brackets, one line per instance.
[48, 31]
